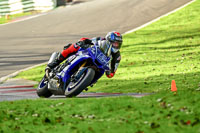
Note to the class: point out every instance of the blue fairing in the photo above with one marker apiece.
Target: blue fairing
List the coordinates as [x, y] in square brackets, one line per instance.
[93, 54]
[66, 72]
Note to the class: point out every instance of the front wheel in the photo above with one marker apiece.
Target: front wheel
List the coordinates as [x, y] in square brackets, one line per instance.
[42, 90]
[75, 88]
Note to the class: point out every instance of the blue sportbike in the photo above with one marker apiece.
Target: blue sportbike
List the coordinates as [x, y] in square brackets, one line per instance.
[79, 71]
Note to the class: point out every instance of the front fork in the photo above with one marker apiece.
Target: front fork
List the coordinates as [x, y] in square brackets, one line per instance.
[80, 71]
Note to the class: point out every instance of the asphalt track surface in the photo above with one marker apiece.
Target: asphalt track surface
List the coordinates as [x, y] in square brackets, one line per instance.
[27, 43]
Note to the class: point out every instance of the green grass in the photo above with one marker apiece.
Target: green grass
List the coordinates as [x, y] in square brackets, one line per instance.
[3, 19]
[151, 58]
[156, 113]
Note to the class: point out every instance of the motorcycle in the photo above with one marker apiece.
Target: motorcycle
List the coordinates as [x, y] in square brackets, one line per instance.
[77, 73]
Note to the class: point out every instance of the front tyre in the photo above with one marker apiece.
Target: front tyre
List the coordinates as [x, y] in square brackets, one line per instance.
[42, 90]
[75, 88]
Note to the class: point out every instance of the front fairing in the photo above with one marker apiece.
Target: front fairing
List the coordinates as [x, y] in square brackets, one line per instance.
[99, 59]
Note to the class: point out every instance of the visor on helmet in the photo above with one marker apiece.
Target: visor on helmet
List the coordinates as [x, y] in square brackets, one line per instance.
[116, 45]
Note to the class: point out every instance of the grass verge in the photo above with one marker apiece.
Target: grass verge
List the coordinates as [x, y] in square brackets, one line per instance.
[151, 57]
[10, 18]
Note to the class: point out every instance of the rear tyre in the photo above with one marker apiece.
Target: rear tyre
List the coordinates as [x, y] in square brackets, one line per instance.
[75, 88]
[42, 90]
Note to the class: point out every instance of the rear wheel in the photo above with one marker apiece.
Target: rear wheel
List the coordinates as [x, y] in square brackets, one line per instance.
[42, 90]
[76, 87]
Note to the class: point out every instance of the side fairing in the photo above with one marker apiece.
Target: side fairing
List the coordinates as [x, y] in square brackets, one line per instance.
[65, 74]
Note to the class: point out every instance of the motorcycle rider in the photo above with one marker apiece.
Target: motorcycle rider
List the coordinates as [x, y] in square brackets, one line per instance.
[114, 38]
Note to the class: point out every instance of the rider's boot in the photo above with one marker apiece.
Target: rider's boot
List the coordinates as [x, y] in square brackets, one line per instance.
[70, 49]
[54, 63]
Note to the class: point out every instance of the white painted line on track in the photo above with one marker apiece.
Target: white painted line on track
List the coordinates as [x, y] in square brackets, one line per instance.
[17, 72]
[140, 27]
[24, 19]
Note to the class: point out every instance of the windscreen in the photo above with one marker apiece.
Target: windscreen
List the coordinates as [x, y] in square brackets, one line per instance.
[105, 47]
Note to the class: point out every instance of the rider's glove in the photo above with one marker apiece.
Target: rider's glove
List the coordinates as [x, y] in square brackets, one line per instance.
[85, 43]
[88, 41]
[109, 74]
[82, 44]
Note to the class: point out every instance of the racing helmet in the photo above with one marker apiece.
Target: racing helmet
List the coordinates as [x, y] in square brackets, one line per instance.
[115, 39]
